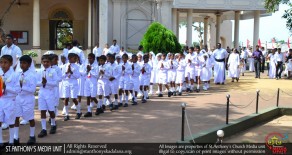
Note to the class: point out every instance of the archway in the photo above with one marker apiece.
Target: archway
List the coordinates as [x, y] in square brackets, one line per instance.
[61, 29]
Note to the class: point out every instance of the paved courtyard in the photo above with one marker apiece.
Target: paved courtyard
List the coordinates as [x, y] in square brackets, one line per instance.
[159, 120]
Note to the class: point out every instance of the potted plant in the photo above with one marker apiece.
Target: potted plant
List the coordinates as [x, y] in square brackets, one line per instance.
[33, 55]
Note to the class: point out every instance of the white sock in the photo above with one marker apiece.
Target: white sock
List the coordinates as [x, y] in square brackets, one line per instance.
[44, 124]
[99, 103]
[78, 108]
[88, 109]
[180, 89]
[192, 87]
[31, 131]
[151, 88]
[177, 88]
[104, 101]
[16, 133]
[116, 102]
[110, 100]
[121, 98]
[53, 121]
[11, 135]
[1, 138]
[145, 95]
[198, 86]
[66, 110]
[135, 99]
[126, 99]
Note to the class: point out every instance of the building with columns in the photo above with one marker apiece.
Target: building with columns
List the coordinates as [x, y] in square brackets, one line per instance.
[101, 21]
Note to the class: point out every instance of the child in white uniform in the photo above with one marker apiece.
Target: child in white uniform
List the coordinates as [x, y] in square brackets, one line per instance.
[59, 75]
[114, 80]
[146, 70]
[190, 69]
[140, 62]
[11, 88]
[25, 100]
[70, 74]
[48, 81]
[158, 58]
[172, 73]
[124, 82]
[180, 72]
[90, 86]
[81, 81]
[163, 66]
[205, 71]
[152, 62]
[134, 79]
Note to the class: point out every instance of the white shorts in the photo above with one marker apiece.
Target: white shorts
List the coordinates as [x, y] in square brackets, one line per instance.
[81, 82]
[145, 81]
[45, 101]
[153, 76]
[135, 84]
[124, 83]
[90, 88]
[70, 89]
[197, 72]
[25, 107]
[7, 111]
[180, 77]
[114, 86]
[171, 76]
[190, 74]
[103, 87]
[61, 93]
[162, 78]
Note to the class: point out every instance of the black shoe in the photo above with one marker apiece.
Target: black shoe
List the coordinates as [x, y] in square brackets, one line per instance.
[53, 129]
[188, 90]
[169, 94]
[160, 95]
[97, 112]
[103, 107]
[133, 99]
[144, 101]
[222, 83]
[147, 97]
[198, 90]
[31, 140]
[179, 94]
[126, 105]
[66, 118]
[142, 98]
[78, 115]
[116, 107]
[135, 103]
[120, 104]
[16, 142]
[42, 134]
[88, 114]
[111, 106]
[174, 93]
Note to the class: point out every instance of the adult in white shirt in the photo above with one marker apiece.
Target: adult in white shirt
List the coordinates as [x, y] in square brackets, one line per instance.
[114, 49]
[250, 60]
[279, 58]
[140, 50]
[272, 64]
[219, 56]
[123, 51]
[233, 65]
[264, 52]
[97, 51]
[11, 49]
[77, 51]
[105, 51]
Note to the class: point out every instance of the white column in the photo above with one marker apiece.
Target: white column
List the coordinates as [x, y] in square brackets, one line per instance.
[189, 27]
[206, 24]
[36, 25]
[174, 21]
[177, 25]
[218, 26]
[103, 23]
[166, 14]
[256, 27]
[89, 26]
[236, 29]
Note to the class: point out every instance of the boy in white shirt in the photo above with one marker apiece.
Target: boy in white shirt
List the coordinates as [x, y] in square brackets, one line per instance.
[145, 77]
[47, 80]
[124, 82]
[172, 73]
[134, 79]
[163, 66]
[25, 100]
[90, 86]
[11, 87]
[114, 80]
[180, 72]
[70, 74]
[55, 58]
[190, 69]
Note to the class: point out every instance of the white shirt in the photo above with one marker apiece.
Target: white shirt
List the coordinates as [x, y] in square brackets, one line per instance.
[115, 48]
[97, 52]
[13, 50]
[220, 53]
[279, 57]
[79, 52]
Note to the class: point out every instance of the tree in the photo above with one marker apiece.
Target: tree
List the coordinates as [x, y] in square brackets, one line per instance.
[272, 5]
[159, 39]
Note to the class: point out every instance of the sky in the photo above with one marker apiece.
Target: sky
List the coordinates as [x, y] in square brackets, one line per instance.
[270, 26]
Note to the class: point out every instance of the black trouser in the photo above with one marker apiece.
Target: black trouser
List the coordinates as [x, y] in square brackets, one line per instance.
[263, 65]
[279, 66]
[268, 67]
[257, 66]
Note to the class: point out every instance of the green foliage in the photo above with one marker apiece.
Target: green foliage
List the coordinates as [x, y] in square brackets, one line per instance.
[31, 54]
[272, 6]
[159, 39]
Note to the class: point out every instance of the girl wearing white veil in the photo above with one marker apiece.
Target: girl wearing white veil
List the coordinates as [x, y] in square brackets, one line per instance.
[158, 58]
[153, 63]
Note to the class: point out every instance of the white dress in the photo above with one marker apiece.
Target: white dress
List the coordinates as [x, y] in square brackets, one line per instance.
[205, 71]
[272, 71]
[219, 67]
[251, 62]
[233, 63]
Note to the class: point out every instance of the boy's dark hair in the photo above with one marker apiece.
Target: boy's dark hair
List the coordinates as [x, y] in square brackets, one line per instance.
[47, 57]
[72, 55]
[134, 56]
[145, 56]
[198, 47]
[192, 48]
[74, 42]
[125, 55]
[7, 57]
[91, 55]
[54, 56]
[102, 57]
[140, 47]
[111, 56]
[25, 58]
[163, 54]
